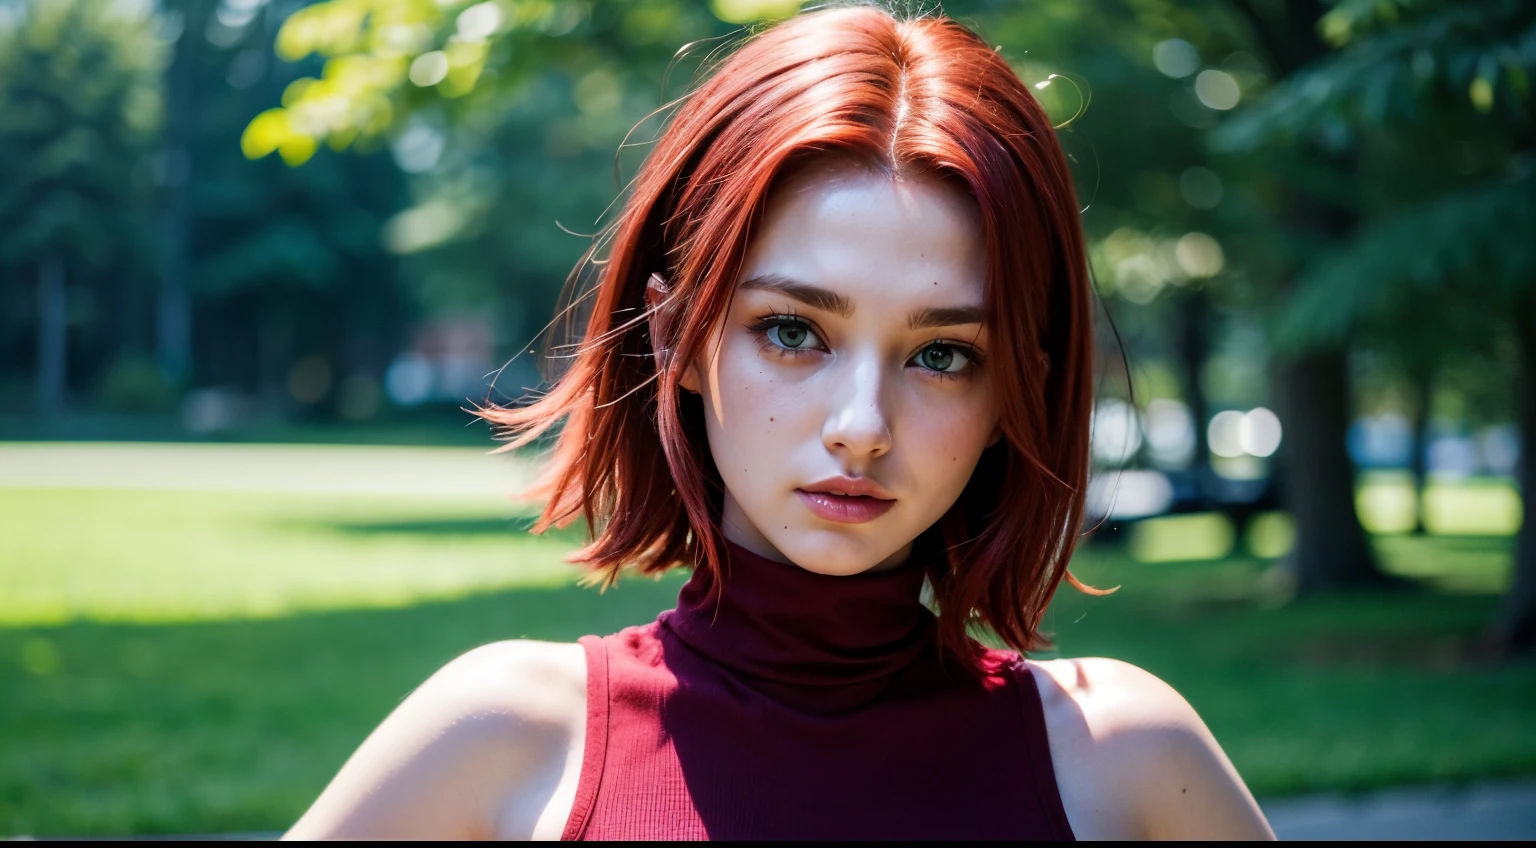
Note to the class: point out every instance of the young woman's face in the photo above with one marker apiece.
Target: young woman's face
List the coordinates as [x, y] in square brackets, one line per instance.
[846, 393]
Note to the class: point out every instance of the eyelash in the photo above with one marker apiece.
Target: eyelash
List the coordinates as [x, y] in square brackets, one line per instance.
[766, 323]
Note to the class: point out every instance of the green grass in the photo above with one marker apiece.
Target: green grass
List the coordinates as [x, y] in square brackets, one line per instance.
[157, 557]
[1348, 693]
[200, 662]
[439, 425]
[1474, 506]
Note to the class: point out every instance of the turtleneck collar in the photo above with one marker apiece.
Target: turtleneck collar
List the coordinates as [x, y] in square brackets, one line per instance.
[811, 640]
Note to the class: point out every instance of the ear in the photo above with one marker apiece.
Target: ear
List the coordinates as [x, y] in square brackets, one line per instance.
[656, 302]
[656, 294]
[690, 378]
[997, 435]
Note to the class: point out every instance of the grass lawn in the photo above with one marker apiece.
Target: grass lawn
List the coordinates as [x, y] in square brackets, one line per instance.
[441, 425]
[204, 661]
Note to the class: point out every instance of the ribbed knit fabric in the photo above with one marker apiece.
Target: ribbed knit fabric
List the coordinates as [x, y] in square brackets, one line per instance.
[793, 705]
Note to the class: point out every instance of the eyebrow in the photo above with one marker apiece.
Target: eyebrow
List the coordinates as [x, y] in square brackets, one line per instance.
[830, 301]
[813, 296]
[945, 316]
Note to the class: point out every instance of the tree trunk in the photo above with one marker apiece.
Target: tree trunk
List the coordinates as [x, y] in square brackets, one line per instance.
[1418, 461]
[52, 336]
[1514, 631]
[1194, 348]
[1332, 552]
[173, 323]
[173, 312]
[1317, 477]
[274, 355]
[1311, 390]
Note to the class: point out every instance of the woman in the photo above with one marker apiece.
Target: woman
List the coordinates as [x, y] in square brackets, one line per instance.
[839, 351]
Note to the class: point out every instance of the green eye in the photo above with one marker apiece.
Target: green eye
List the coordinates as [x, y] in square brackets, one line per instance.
[943, 358]
[790, 336]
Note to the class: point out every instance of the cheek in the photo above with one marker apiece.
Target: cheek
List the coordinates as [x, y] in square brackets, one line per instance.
[945, 436]
[754, 411]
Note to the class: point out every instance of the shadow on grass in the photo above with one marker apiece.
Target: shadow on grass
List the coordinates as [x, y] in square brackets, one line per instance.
[444, 527]
[433, 527]
[1478, 544]
[236, 726]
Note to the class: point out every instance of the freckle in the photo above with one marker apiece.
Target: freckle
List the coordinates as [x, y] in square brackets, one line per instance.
[1184, 790]
[770, 418]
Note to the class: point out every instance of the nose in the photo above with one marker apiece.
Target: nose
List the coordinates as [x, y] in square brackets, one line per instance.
[858, 426]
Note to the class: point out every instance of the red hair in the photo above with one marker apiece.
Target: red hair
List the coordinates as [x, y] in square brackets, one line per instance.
[916, 97]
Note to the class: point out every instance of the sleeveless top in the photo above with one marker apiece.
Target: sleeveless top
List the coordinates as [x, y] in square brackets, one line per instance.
[795, 705]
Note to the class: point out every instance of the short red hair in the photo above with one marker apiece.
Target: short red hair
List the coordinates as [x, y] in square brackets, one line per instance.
[906, 97]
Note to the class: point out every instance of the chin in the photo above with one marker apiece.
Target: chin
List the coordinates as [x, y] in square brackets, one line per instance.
[837, 553]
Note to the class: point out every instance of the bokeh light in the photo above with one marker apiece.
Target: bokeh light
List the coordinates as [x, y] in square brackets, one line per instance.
[1217, 90]
[1175, 57]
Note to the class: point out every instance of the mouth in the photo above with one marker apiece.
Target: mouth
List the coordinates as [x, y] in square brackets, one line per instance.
[846, 501]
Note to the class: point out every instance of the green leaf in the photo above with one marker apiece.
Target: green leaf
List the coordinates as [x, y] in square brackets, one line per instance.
[1461, 243]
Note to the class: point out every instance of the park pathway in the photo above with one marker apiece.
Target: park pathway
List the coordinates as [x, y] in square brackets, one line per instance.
[1489, 811]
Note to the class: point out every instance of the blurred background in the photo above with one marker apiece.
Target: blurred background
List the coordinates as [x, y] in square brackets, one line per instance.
[256, 255]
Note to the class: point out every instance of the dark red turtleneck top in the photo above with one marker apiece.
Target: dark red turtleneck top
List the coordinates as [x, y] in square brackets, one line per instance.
[793, 705]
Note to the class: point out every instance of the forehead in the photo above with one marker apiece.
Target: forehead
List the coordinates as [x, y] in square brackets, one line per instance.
[872, 236]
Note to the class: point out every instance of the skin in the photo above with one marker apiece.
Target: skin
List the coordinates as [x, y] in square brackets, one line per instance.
[491, 745]
[821, 314]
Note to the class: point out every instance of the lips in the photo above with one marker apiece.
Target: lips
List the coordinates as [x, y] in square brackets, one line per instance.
[846, 500]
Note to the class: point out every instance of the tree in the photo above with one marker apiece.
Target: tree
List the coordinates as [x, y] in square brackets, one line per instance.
[79, 91]
[1441, 237]
[475, 102]
[173, 306]
[1309, 183]
[1139, 182]
[267, 265]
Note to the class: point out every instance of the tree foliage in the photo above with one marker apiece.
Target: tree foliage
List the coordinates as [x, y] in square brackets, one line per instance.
[80, 98]
[79, 113]
[386, 59]
[1413, 87]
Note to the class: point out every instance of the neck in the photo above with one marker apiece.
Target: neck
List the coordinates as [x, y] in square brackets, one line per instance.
[824, 642]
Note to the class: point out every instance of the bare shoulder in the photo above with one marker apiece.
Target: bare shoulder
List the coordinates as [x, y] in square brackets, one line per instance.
[1117, 698]
[522, 679]
[1134, 760]
[481, 748]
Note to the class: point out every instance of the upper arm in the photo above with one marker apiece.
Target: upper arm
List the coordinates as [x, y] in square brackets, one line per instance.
[495, 722]
[1144, 759]
[1187, 788]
